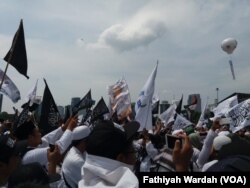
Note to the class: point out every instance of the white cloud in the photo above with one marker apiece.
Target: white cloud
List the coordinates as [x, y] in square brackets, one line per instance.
[125, 38]
[74, 45]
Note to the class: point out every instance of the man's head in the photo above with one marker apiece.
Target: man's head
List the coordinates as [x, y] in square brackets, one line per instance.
[80, 136]
[32, 172]
[113, 141]
[30, 132]
[10, 151]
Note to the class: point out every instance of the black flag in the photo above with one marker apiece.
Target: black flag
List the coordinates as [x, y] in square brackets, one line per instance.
[85, 102]
[32, 108]
[155, 107]
[23, 117]
[178, 108]
[50, 116]
[17, 56]
[99, 110]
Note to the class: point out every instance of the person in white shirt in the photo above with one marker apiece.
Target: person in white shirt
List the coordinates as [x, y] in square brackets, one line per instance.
[75, 158]
[37, 150]
[110, 156]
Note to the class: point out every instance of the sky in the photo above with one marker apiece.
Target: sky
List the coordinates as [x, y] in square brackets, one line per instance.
[80, 45]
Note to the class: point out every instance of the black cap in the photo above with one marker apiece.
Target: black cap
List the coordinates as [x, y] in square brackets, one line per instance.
[108, 139]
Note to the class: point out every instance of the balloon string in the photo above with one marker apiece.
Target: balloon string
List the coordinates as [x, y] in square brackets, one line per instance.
[230, 57]
[232, 68]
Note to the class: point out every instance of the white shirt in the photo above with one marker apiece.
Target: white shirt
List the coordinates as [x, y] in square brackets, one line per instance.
[206, 148]
[101, 172]
[39, 154]
[72, 165]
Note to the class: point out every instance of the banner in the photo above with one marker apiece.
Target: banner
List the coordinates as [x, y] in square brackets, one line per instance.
[240, 116]
[180, 122]
[224, 106]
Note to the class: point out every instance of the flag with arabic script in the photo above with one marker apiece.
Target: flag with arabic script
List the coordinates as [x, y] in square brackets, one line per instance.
[50, 115]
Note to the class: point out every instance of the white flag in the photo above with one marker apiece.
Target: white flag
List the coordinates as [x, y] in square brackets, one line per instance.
[180, 123]
[31, 96]
[224, 106]
[119, 99]
[168, 115]
[9, 88]
[143, 108]
[202, 120]
[239, 115]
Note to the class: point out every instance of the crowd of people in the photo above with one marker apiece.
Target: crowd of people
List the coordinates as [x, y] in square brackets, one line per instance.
[113, 153]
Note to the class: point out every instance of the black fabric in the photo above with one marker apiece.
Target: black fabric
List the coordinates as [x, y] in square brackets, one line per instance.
[99, 110]
[85, 103]
[234, 163]
[17, 56]
[21, 119]
[178, 108]
[108, 140]
[50, 116]
[33, 172]
[24, 130]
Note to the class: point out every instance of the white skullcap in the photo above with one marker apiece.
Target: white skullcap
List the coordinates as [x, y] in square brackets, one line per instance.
[220, 141]
[225, 133]
[150, 131]
[175, 132]
[81, 132]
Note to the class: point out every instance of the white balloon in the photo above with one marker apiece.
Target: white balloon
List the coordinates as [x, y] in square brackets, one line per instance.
[228, 45]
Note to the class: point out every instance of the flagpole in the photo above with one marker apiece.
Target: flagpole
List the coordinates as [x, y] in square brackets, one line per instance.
[10, 56]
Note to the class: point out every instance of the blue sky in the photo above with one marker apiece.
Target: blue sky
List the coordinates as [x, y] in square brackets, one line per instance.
[77, 45]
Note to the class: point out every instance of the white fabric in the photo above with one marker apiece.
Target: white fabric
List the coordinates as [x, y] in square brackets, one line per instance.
[240, 116]
[119, 98]
[202, 120]
[220, 141]
[152, 153]
[100, 172]
[224, 106]
[223, 133]
[168, 115]
[180, 122]
[206, 148]
[9, 88]
[71, 167]
[51, 137]
[32, 93]
[143, 105]
[81, 132]
[40, 154]
[151, 150]
[65, 141]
